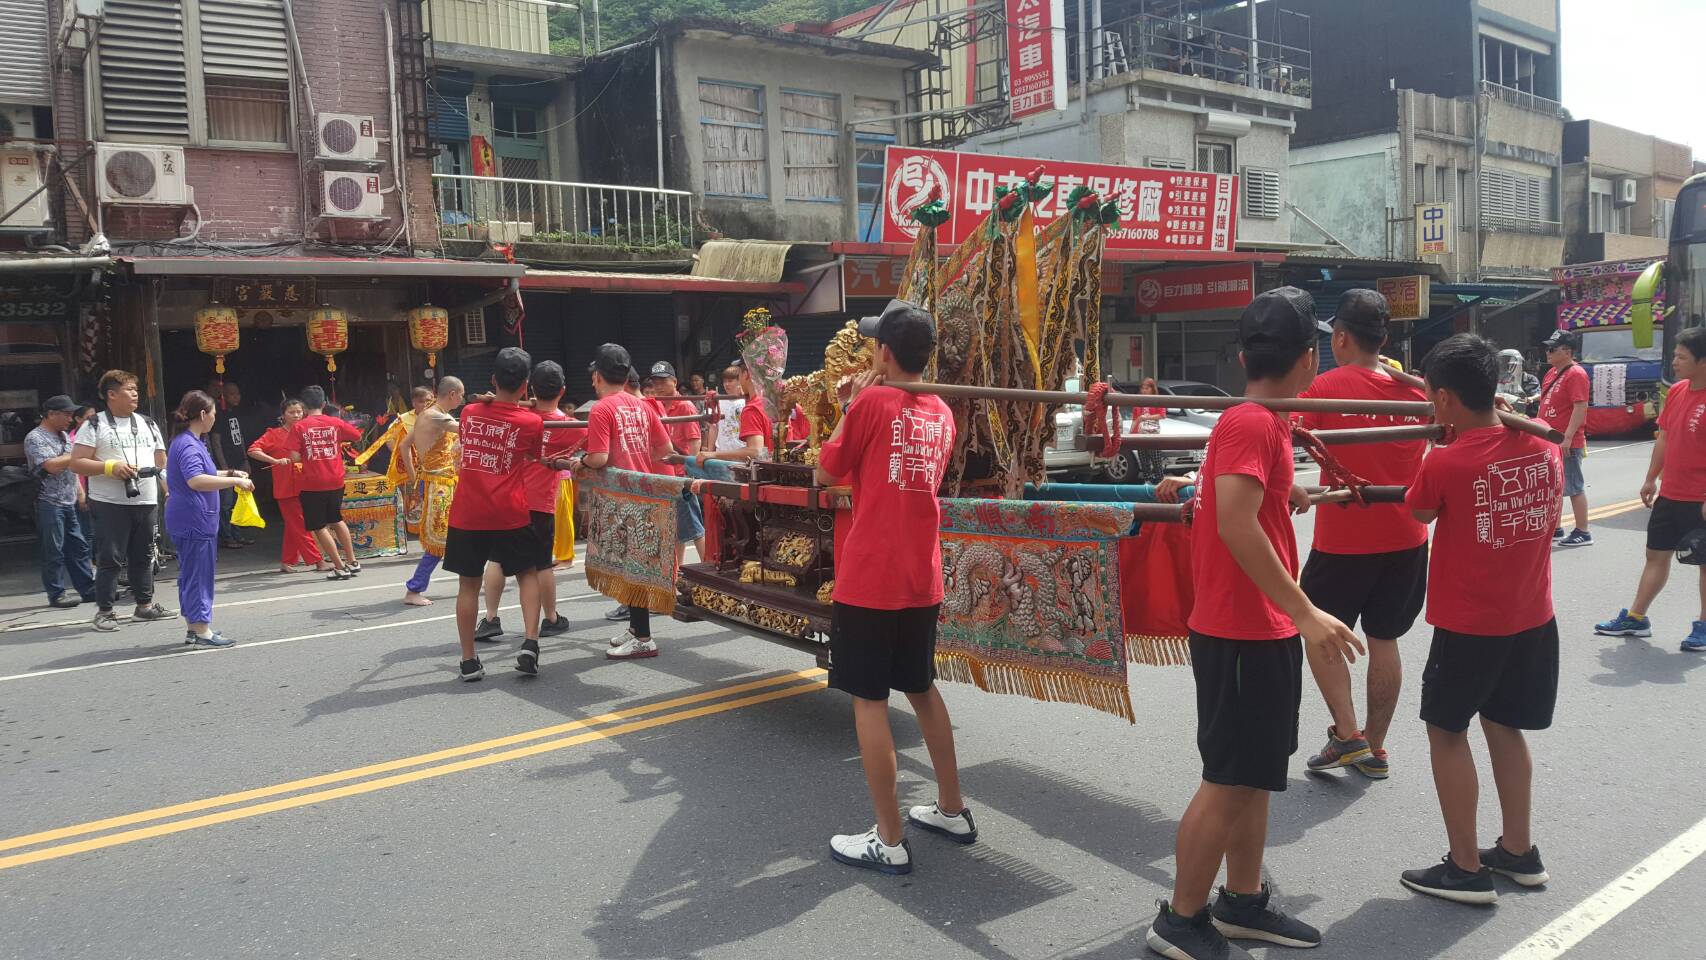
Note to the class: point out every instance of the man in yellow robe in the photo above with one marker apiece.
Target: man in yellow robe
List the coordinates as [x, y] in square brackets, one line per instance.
[431, 454]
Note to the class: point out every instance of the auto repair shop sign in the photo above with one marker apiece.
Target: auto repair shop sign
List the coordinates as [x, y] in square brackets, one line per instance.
[1160, 210]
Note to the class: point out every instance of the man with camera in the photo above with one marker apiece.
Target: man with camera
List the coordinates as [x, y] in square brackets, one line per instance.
[122, 453]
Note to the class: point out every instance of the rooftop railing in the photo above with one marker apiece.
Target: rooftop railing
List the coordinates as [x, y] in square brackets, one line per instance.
[1191, 48]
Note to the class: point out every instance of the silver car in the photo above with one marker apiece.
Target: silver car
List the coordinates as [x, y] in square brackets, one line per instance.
[1132, 466]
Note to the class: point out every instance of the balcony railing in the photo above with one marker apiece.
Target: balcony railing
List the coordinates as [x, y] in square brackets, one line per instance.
[553, 211]
[1190, 48]
[1523, 99]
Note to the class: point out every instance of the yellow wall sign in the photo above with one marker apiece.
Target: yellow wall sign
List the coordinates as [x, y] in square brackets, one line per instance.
[1407, 296]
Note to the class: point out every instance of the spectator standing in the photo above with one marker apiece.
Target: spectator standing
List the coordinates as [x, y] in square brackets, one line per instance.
[1564, 406]
[59, 499]
[195, 482]
[696, 384]
[225, 442]
[729, 406]
[114, 450]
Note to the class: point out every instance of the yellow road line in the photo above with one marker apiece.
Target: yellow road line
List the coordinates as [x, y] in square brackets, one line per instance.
[159, 813]
[413, 776]
[1614, 509]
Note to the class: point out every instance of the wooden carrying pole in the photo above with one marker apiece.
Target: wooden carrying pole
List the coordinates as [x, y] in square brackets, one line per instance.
[1514, 421]
[1161, 441]
[554, 424]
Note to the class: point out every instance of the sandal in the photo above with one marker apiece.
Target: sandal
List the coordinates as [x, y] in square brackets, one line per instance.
[339, 573]
[354, 567]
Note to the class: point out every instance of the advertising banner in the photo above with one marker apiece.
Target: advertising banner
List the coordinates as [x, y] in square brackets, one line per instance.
[1199, 288]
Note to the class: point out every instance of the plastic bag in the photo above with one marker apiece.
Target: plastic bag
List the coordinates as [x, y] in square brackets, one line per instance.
[244, 513]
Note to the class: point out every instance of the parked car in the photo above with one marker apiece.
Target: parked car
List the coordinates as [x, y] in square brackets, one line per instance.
[1131, 466]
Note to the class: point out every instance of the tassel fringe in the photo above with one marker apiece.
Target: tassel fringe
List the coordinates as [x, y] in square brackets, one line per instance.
[653, 598]
[1158, 651]
[1108, 696]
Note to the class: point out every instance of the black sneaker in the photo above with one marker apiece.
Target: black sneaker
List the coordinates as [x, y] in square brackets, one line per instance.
[1190, 938]
[617, 615]
[1247, 916]
[489, 629]
[63, 602]
[152, 611]
[527, 661]
[554, 628]
[1448, 881]
[1526, 869]
[472, 670]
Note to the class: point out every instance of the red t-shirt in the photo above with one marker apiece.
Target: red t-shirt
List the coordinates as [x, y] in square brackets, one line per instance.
[1497, 492]
[1684, 475]
[287, 476]
[320, 440]
[799, 427]
[628, 429]
[683, 436]
[1380, 527]
[1558, 402]
[754, 421]
[893, 449]
[542, 481]
[500, 445]
[1254, 442]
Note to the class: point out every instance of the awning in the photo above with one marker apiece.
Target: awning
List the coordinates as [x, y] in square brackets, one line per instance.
[565, 280]
[753, 261]
[380, 268]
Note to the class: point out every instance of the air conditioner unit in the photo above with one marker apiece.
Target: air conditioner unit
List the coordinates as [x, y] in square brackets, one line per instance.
[346, 136]
[20, 176]
[17, 122]
[344, 194]
[134, 174]
[1626, 188]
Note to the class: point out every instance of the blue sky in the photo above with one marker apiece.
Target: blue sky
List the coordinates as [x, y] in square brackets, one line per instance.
[1637, 64]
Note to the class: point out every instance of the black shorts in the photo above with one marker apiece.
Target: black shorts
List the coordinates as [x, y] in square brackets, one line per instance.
[1248, 695]
[1384, 590]
[466, 552]
[1509, 680]
[1670, 521]
[545, 532]
[321, 508]
[874, 651]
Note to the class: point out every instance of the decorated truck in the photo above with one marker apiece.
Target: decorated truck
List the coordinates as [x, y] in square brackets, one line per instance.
[1598, 305]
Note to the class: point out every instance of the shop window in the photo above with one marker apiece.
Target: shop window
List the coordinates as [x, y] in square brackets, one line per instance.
[515, 123]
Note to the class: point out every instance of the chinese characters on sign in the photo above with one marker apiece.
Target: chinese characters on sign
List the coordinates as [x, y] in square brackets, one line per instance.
[1433, 229]
[920, 447]
[1036, 56]
[1407, 296]
[1517, 500]
[258, 293]
[489, 446]
[1202, 288]
[1161, 210]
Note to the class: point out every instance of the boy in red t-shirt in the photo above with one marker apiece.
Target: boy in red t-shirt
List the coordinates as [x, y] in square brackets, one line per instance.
[1678, 500]
[1564, 395]
[624, 431]
[317, 442]
[893, 447]
[1367, 563]
[489, 518]
[1492, 495]
[1248, 628]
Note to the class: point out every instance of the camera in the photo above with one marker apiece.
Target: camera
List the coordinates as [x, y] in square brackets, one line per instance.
[142, 473]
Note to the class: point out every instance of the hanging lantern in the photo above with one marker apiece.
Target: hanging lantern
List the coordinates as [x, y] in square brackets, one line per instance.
[429, 331]
[328, 334]
[216, 334]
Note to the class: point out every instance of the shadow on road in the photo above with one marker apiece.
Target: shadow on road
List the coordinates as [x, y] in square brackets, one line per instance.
[1632, 662]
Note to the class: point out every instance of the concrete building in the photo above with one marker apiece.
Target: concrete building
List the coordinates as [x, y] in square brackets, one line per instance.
[1619, 191]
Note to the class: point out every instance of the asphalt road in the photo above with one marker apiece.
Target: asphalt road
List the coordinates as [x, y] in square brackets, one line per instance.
[327, 789]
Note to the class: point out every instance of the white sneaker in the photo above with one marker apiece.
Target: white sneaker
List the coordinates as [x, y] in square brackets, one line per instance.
[869, 851]
[631, 648]
[960, 827]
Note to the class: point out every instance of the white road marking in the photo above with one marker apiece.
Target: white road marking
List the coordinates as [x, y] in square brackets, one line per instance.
[1596, 911]
[252, 644]
[1622, 446]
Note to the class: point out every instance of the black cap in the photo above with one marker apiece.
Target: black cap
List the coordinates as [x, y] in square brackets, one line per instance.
[1283, 316]
[611, 362]
[512, 364]
[1365, 310]
[59, 403]
[633, 377]
[898, 313]
[1562, 338]
[661, 369]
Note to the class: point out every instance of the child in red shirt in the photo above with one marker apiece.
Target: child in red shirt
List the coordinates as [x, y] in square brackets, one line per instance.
[489, 518]
[317, 442]
[1493, 497]
[1248, 628]
[893, 446]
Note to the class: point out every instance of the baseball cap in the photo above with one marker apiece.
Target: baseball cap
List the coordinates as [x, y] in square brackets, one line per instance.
[897, 314]
[1364, 309]
[59, 403]
[1283, 316]
[661, 369]
[611, 361]
[512, 365]
[1562, 338]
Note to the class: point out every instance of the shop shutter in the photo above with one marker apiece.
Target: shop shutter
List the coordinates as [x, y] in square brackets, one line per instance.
[144, 86]
[23, 51]
[1261, 193]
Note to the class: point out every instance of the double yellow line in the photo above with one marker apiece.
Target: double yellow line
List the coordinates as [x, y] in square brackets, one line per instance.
[161, 821]
[1611, 509]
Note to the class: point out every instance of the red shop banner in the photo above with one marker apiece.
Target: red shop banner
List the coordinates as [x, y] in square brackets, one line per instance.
[1228, 285]
[1036, 56]
[1160, 210]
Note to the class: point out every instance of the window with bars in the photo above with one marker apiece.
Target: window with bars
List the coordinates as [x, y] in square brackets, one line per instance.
[731, 126]
[213, 72]
[811, 145]
[1509, 198]
[1261, 193]
[1214, 156]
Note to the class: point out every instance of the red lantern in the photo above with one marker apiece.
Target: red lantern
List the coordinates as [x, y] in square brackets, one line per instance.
[429, 331]
[328, 334]
[217, 334]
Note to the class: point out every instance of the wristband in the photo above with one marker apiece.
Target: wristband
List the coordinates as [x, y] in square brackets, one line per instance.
[110, 464]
